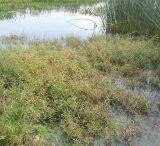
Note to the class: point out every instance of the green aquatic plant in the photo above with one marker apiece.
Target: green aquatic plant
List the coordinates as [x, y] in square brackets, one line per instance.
[53, 84]
[130, 16]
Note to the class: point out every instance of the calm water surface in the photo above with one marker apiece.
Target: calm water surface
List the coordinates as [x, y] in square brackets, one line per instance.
[50, 24]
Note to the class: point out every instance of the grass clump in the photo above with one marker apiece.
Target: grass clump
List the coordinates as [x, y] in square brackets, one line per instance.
[123, 55]
[50, 85]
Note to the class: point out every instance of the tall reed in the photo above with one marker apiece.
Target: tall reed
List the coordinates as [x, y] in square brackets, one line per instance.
[141, 16]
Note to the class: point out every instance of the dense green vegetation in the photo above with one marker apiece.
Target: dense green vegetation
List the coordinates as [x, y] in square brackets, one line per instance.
[142, 16]
[50, 85]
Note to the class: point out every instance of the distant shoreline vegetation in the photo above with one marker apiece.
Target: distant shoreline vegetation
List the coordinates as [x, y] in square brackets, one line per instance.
[9, 7]
[61, 1]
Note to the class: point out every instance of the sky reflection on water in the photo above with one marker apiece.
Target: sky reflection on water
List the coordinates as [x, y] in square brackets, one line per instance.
[50, 24]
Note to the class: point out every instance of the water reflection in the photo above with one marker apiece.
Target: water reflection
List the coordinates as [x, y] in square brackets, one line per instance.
[50, 24]
[49, 21]
[148, 132]
[7, 10]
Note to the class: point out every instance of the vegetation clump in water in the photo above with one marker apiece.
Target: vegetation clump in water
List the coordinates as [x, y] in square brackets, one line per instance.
[62, 84]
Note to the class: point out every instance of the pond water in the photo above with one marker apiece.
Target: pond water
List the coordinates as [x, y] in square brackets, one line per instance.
[148, 133]
[52, 23]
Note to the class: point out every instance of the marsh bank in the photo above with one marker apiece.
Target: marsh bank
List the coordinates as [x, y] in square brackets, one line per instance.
[59, 90]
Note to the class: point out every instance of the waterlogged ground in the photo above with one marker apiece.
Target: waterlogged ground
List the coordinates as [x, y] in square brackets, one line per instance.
[136, 130]
[148, 131]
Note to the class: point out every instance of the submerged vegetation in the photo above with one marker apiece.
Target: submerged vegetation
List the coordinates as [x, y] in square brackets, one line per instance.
[55, 84]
